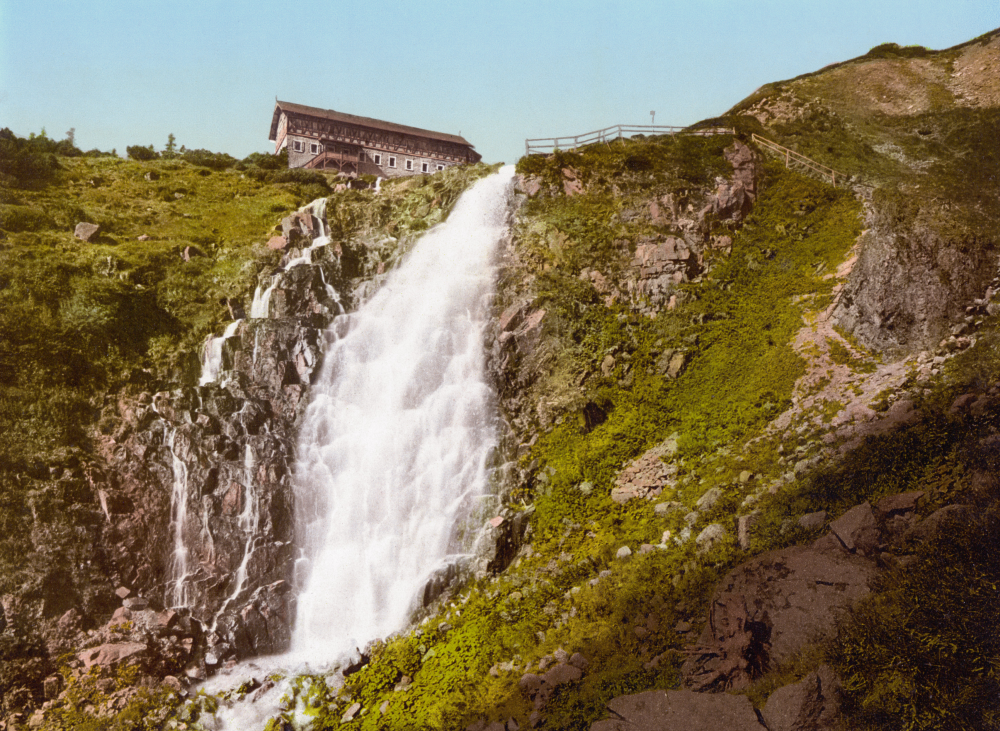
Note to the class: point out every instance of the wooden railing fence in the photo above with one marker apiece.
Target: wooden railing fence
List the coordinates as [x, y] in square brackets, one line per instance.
[618, 131]
[793, 156]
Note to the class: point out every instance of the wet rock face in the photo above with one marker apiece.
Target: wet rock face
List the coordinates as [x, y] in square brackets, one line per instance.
[198, 490]
[910, 285]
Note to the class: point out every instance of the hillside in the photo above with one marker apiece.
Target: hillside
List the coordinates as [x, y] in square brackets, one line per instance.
[748, 428]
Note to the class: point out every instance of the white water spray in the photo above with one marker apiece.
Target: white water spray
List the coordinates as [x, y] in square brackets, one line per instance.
[261, 305]
[249, 522]
[179, 593]
[394, 446]
[211, 363]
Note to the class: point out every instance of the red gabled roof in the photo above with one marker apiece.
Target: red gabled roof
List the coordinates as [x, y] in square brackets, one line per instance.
[280, 106]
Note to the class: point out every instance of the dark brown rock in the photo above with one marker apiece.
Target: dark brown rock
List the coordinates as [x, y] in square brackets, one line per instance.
[541, 688]
[679, 710]
[930, 526]
[112, 654]
[793, 593]
[857, 529]
[812, 704]
[901, 503]
[736, 651]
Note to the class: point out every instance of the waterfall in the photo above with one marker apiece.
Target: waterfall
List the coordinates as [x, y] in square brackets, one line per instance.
[211, 362]
[249, 522]
[394, 445]
[178, 512]
[260, 307]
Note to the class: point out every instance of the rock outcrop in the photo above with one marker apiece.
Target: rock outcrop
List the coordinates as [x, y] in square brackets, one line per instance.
[911, 284]
[679, 710]
[771, 606]
[218, 546]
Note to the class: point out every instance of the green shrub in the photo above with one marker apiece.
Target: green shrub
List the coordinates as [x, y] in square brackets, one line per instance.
[142, 154]
[27, 162]
[302, 176]
[208, 159]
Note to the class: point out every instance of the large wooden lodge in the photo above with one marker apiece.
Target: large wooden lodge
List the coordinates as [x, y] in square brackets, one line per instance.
[328, 140]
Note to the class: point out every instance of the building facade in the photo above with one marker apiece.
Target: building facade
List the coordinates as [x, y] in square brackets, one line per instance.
[327, 140]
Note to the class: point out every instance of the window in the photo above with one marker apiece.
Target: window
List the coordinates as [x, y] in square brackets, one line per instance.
[378, 159]
[314, 148]
[409, 164]
[425, 167]
[297, 145]
[440, 167]
[392, 161]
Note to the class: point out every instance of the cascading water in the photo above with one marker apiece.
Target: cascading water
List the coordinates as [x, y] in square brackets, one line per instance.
[178, 511]
[393, 451]
[211, 364]
[260, 307]
[249, 521]
[394, 445]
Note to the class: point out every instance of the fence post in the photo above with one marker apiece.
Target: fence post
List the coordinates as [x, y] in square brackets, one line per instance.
[786, 158]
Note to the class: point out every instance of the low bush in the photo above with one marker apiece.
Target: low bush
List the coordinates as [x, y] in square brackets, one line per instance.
[142, 154]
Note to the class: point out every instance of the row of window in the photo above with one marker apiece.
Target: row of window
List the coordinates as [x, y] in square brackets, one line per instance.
[314, 149]
[425, 167]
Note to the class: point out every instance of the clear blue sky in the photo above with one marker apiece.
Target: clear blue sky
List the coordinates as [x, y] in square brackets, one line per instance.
[124, 72]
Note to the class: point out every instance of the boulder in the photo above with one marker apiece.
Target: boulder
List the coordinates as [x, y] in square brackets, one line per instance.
[813, 521]
[679, 710]
[812, 704]
[710, 498]
[608, 366]
[112, 654]
[529, 185]
[791, 597]
[930, 526]
[710, 537]
[571, 183]
[350, 713]
[277, 243]
[676, 365]
[857, 529]
[540, 689]
[52, 687]
[87, 231]
[191, 252]
[744, 525]
[899, 504]
[300, 226]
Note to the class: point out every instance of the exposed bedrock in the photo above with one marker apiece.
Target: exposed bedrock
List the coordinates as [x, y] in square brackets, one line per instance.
[911, 285]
